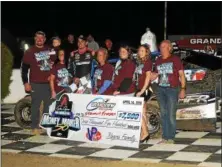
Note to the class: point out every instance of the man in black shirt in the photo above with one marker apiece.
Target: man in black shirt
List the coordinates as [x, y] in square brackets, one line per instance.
[80, 61]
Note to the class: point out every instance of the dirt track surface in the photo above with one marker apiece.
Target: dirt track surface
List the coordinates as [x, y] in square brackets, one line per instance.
[30, 160]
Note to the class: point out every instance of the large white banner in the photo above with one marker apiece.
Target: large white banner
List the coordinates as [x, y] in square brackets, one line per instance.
[114, 120]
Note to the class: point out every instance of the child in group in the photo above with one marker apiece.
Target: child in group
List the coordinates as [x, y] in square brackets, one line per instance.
[59, 77]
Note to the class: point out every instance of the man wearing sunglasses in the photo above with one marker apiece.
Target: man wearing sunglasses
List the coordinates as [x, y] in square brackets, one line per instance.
[39, 60]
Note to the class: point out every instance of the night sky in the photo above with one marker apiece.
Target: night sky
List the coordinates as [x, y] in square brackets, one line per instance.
[120, 21]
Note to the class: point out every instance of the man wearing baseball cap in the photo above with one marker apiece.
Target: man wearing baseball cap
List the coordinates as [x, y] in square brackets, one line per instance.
[80, 61]
[39, 60]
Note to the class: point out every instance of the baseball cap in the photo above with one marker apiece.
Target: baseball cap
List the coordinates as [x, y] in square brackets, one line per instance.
[56, 38]
[40, 33]
[82, 37]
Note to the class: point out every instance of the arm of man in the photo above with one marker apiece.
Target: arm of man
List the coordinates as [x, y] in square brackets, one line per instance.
[180, 68]
[25, 66]
[183, 84]
[52, 86]
[154, 74]
[52, 78]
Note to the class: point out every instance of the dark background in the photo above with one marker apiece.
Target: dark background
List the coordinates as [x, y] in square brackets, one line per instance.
[120, 21]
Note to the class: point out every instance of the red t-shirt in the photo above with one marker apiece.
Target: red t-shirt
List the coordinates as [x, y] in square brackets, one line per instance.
[39, 60]
[124, 71]
[168, 70]
[101, 74]
[61, 77]
[140, 73]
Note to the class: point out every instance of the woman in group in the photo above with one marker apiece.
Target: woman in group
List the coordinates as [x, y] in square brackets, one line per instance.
[59, 77]
[142, 79]
[102, 78]
[123, 74]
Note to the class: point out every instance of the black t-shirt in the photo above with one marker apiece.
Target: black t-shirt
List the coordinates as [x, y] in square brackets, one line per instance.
[68, 47]
[80, 64]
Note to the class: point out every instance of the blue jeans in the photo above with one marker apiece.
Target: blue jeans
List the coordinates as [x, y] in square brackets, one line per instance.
[168, 99]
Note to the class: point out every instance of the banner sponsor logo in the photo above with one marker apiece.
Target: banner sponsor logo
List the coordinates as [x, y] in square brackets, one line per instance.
[93, 134]
[100, 107]
[62, 119]
[60, 126]
[205, 41]
[194, 99]
[125, 137]
[101, 113]
[100, 103]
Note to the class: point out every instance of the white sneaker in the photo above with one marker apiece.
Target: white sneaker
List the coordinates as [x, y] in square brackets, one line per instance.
[170, 141]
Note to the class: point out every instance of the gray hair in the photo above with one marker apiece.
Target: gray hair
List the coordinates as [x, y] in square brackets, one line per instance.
[169, 43]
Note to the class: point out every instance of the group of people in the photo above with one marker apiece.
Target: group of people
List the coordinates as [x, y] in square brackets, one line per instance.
[51, 70]
[70, 44]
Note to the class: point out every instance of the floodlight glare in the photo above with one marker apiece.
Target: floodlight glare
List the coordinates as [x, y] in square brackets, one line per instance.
[26, 47]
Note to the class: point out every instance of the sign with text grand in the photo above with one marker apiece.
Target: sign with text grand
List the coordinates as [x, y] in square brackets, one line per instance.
[112, 120]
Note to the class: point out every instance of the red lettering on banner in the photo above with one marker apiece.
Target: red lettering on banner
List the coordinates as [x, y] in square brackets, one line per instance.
[101, 113]
[93, 113]
[108, 113]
